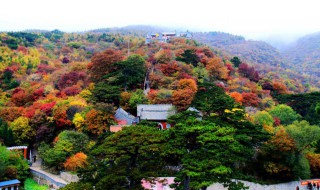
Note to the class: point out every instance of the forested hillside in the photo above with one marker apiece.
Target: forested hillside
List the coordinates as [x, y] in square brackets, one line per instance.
[249, 50]
[59, 93]
[303, 55]
[291, 62]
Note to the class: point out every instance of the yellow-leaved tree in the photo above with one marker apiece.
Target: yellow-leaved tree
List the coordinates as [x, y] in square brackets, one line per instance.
[22, 130]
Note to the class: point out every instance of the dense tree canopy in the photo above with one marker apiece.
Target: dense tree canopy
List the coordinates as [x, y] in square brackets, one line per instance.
[285, 113]
[211, 99]
[59, 93]
[12, 165]
[103, 63]
[200, 148]
[129, 73]
[127, 157]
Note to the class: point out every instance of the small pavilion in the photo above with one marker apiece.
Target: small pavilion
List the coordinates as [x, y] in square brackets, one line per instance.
[10, 185]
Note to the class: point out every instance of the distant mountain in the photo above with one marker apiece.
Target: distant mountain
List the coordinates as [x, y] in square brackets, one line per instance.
[132, 29]
[36, 31]
[304, 54]
[248, 50]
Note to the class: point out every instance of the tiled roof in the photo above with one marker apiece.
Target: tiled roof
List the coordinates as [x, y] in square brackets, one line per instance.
[16, 147]
[122, 115]
[9, 183]
[155, 112]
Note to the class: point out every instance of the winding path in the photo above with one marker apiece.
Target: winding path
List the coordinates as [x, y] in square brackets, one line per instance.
[37, 171]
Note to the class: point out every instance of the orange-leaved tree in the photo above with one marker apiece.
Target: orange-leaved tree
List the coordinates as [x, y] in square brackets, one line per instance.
[216, 68]
[237, 97]
[98, 122]
[280, 88]
[79, 160]
[183, 96]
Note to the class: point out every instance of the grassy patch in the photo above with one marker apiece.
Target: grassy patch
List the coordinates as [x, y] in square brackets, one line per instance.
[30, 184]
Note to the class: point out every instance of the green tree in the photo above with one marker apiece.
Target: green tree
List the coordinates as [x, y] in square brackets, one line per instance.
[136, 98]
[6, 134]
[68, 143]
[317, 108]
[211, 99]
[263, 118]
[304, 104]
[303, 134]
[104, 92]
[78, 142]
[12, 43]
[236, 61]
[125, 158]
[12, 165]
[189, 56]
[200, 149]
[131, 72]
[54, 158]
[285, 113]
[201, 73]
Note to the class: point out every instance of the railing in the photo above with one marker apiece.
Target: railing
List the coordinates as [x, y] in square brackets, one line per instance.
[45, 177]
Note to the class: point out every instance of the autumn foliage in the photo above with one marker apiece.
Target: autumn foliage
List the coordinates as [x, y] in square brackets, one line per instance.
[47, 108]
[102, 63]
[72, 78]
[280, 88]
[314, 160]
[282, 141]
[20, 98]
[169, 68]
[249, 72]
[60, 82]
[98, 122]
[79, 160]
[250, 99]
[237, 97]
[216, 68]
[185, 93]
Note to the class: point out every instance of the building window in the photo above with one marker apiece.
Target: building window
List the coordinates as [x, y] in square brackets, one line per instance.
[168, 126]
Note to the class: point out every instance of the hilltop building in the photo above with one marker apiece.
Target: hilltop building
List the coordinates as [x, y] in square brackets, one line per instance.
[166, 36]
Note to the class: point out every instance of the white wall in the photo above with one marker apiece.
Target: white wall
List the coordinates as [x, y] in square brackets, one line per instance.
[254, 186]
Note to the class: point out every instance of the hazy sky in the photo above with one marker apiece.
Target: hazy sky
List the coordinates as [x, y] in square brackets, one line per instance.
[255, 19]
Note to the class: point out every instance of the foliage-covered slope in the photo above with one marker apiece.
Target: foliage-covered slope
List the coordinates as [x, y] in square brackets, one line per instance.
[59, 91]
[248, 50]
[304, 54]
